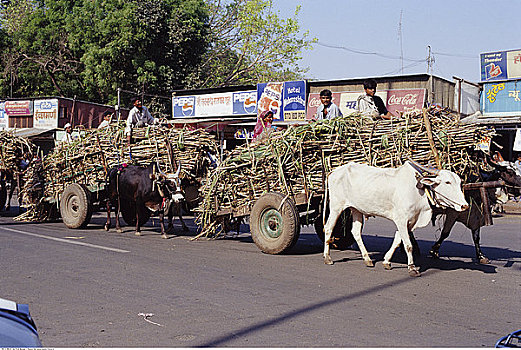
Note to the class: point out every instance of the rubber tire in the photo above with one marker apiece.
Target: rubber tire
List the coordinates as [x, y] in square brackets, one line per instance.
[3, 194]
[75, 206]
[341, 232]
[128, 213]
[287, 229]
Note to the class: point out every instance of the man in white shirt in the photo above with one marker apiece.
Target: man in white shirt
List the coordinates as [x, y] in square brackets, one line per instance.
[68, 133]
[370, 104]
[139, 117]
[327, 110]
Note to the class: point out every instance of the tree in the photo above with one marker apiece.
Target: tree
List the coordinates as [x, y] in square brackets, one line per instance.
[250, 43]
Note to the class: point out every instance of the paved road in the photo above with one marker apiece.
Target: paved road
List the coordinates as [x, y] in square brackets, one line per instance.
[88, 288]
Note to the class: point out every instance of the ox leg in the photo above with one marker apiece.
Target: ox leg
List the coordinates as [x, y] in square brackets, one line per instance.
[328, 231]
[387, 258]
[404, 235]
[356, 230]
[445, 231]
[162, 223]
[11, 191]
[479, 254]
[108, 223]
[139, 206]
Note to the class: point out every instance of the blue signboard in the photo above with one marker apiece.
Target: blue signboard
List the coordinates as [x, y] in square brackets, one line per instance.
[245, 102]
[183, 106]
[294, 100]
[502, 65]
[502, 98]
[3, 116]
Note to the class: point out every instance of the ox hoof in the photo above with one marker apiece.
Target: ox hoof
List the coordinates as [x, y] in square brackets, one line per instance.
[164, 236]
[387, 265]
[414, 271]
[107, 227]
[484, 260]
[435, 254]
[328, 260]
[138, 233]
[369, 263]
[119, 230]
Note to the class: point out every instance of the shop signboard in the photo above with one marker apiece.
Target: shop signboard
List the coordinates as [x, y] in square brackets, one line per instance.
[213, 105]
[405, 100]
[501, 65]
[269, 97]
[245, 102]
[19, 108]
[502, 98]
[45, 114]
[294, 100]
[183, 106]
[3, 116]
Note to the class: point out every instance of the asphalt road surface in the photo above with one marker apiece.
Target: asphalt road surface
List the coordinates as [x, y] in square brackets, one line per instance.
[90, 288]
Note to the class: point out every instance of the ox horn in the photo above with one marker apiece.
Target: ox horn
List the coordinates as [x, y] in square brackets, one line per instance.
[423, 168]
[163, 175]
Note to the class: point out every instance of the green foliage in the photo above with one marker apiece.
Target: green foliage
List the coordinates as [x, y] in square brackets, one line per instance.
[90, 48]
[251, 43]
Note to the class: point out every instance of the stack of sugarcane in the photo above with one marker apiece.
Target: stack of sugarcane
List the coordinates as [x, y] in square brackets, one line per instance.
[87, 160]
[14, 149]
[298, 159]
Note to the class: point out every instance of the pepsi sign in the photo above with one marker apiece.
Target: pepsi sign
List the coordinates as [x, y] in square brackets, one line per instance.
[245, 102]
[183, 106]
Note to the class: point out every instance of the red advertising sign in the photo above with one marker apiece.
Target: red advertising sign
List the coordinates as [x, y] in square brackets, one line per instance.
[18, 108]
[314, 102]
[406, 100]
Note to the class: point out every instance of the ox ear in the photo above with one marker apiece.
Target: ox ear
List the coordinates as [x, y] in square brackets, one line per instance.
[427, 181]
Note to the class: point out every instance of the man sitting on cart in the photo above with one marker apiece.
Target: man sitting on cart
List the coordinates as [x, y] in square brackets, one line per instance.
[139, 117]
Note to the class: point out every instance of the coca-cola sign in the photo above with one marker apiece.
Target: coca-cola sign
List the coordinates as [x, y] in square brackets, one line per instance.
[405, 100]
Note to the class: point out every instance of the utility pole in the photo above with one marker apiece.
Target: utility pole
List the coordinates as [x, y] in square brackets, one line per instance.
[430, 64]
[400, 38]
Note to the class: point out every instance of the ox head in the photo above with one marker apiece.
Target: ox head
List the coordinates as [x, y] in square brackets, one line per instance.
[172, 183]
[443, 186]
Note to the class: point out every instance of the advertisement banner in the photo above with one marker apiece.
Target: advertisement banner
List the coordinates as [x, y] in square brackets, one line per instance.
[269, 97]
[517, 141]
[405, 100]
[183, 106]
[19, 108]
[314, 102]
[3, 116]
[294, 100]
[502, 98]
[245, 102]
[45, 114]
[501, 65]
[214, 105]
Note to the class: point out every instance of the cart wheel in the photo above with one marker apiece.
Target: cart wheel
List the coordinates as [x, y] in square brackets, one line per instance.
[3, 194]
[128, 212]
[343, 238]
[75, 206]
[274, 224]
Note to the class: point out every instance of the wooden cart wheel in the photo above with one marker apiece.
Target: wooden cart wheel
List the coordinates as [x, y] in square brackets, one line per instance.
[274, 223]
[128, 212]
[75, 206]
[3, 194]
[343, 238]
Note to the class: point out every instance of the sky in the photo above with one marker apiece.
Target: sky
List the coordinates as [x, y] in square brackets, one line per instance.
[358, 39]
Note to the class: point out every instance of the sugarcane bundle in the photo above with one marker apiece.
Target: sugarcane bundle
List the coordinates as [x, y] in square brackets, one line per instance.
[87, 160]
[14, 149]
[298, 159]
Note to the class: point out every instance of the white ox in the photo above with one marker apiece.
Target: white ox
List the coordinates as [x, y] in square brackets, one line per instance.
[398, 194]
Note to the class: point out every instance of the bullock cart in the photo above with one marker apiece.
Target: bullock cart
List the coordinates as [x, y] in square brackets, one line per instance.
[70, 181]
[279, 182]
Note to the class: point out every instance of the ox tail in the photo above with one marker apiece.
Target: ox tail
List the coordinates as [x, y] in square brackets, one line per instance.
[325, 202]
